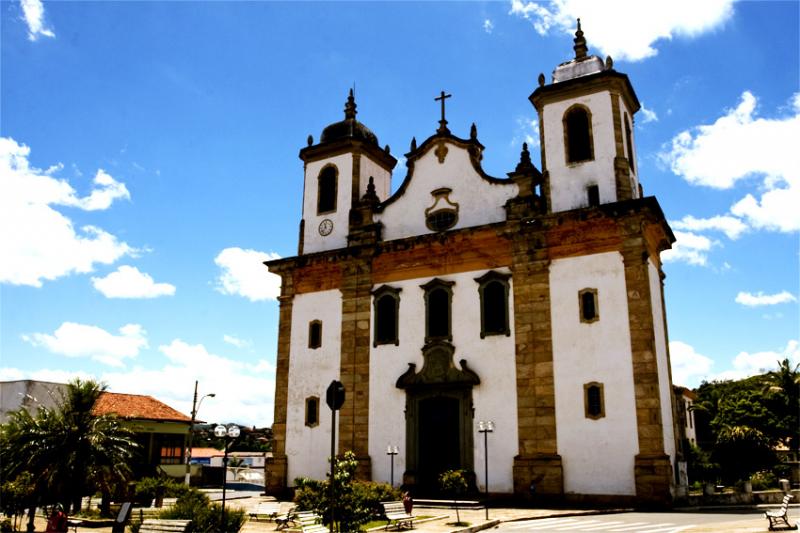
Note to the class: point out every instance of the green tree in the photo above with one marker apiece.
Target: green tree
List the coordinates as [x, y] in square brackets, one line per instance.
[69, 451]
[742, 451]
[783, 397]
[454, 482]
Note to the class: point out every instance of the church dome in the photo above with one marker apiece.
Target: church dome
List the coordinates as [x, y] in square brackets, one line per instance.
[349, 128]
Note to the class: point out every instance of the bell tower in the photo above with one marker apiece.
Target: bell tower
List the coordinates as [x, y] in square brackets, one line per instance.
[586, 122]
[337, 172]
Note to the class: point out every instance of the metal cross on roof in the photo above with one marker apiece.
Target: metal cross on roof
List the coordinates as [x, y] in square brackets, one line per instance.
[443, 122]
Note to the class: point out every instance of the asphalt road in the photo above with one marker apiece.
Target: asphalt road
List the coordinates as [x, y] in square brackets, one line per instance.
[674, 522]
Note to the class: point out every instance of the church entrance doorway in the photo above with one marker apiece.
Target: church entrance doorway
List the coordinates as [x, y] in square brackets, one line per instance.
[439, 416]
[439, 438]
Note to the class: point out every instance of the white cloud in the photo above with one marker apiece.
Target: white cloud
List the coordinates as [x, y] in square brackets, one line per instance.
[527, 131]
[36, 241]
[488, 26]
[689, 248]
[731, 226]
[749, 364]
[761, 299]
[689, 368]
[243, 392]
[244, 274]
[648, 115]
[738, 145]
[626, 29]
[81, 340]
[129, 282]
[235, 341]
[33, 13]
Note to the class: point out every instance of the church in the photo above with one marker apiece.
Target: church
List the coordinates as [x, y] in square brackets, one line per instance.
[533, 301]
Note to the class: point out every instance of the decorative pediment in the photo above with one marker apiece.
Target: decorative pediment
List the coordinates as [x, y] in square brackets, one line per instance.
[438, 369]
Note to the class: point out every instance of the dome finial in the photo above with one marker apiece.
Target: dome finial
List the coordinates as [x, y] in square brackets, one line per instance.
[350, 106]
[580, 47]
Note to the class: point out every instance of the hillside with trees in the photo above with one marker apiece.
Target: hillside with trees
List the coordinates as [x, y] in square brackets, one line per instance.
[742, 424]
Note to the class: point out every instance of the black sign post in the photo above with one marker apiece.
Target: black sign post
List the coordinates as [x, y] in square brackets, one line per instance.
[334, 397]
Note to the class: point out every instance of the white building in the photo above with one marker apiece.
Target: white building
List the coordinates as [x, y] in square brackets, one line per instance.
[534, 301]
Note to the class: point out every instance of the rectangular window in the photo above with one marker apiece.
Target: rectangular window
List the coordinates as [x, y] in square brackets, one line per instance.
[589, 309]
[312, 411]
[314, 334]
[593, 195]
[593, 401]
[171, 450]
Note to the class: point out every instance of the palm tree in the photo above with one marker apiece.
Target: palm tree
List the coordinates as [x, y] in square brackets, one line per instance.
[783, 388]
[69, 451]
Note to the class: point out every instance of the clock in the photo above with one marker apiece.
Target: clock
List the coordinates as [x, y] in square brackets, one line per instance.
[325, 227]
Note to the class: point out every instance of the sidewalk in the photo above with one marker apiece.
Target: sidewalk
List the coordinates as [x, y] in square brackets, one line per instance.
[477, 519]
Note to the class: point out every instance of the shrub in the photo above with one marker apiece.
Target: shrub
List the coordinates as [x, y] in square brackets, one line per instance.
[764, 481]
[206, 517]
[356, 502]
[148, 488]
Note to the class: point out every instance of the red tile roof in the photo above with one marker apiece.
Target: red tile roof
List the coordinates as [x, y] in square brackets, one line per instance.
[198, 453]
[136, 406]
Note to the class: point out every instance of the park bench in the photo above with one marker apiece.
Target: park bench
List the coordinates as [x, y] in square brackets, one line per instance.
[397, 516]
[781, 514]
[267, 510]
[153, 525]
[310, 522]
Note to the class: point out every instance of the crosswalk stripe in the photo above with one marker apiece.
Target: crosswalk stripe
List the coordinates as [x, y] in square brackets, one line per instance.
[649, 528]
[607, 525]
[580, 525]
[543, 522]
[583, 524]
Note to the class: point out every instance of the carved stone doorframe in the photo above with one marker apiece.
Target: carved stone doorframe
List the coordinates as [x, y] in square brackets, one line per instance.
[438, 378]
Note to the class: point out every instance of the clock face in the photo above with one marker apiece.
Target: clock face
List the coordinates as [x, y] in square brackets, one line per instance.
[325, 227]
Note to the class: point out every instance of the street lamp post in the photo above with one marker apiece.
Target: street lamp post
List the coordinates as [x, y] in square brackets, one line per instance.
[391, 451]
[486, 428]
[228, 433]
[195, 408]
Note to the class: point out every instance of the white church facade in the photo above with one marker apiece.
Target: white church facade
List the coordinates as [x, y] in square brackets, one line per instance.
[534, 301]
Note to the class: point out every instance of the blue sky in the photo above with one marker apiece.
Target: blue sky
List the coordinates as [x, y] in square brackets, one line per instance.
[148, 160]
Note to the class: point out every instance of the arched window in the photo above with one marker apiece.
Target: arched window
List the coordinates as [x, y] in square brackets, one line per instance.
[629, 143]
[326, 190]
[493, 292]
[314, 334]
[593, 401]
[589, 311]
[386, 305]
[438, 296]
[578, 134]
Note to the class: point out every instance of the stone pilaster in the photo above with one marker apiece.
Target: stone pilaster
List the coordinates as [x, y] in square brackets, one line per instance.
[622, 173]
[538, 463]
[652, 469]
[275, 483]
[354, 365]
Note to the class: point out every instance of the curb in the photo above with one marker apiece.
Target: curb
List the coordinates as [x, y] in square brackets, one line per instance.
[493, 523]
[479, 527]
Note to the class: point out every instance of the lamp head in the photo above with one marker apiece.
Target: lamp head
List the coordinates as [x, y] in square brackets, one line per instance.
[220, 431]
[234, 431]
